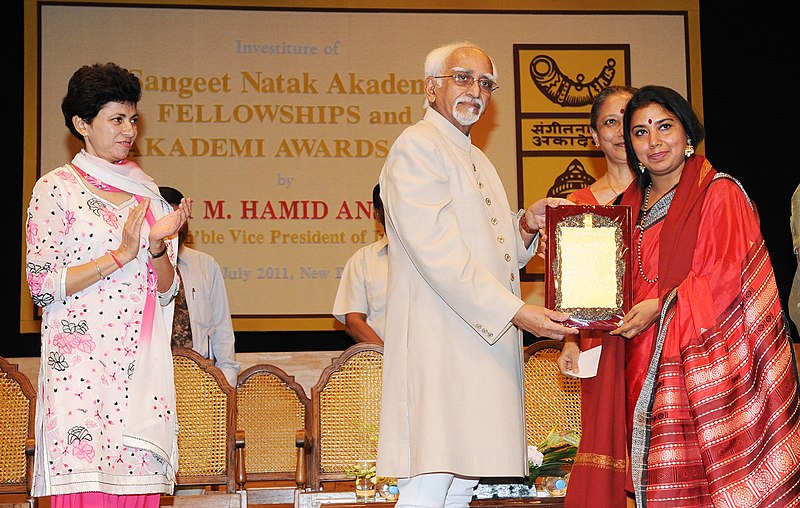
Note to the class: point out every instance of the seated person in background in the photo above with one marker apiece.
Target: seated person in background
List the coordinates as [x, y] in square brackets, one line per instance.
[209, 314]
[361, 297]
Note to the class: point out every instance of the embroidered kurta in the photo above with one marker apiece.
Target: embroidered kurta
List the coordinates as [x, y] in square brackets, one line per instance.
[88, 397]
[452, 370]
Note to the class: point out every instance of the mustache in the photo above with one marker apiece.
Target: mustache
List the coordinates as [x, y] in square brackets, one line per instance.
[477, 101]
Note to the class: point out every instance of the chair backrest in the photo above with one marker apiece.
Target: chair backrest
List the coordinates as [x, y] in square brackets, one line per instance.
[346, 404]
[272, 406]
[206, 407]
[551, 399]
[17, 414]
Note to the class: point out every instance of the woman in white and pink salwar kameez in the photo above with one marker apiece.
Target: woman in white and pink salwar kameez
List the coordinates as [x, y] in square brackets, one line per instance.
[101, 251]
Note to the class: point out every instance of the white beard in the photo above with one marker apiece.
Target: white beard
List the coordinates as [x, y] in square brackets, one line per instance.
[470, 116]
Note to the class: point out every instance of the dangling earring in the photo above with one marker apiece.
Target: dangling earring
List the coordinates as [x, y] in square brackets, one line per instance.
[642, 168]
[689, 150]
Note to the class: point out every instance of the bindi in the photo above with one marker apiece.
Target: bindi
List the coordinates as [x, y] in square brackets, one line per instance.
[649, 120]
[622, 111]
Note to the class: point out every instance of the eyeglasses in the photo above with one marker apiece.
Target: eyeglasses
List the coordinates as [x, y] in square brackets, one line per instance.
[466, 80]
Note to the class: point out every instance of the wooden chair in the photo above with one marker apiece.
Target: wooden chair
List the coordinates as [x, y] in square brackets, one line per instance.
[208, 442]
[17, 415]
[551, 399]
[345, 407]
[271, 408]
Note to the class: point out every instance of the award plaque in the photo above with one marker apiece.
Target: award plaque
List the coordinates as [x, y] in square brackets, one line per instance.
[587, 267]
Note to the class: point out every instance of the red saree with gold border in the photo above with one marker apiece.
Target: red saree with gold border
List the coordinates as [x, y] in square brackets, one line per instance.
[713, 384]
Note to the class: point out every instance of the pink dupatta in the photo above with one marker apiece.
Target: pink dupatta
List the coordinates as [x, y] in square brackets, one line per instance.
[152, 276]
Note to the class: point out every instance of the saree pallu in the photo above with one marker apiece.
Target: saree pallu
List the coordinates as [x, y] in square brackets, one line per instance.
[598, 475]
[723, 428]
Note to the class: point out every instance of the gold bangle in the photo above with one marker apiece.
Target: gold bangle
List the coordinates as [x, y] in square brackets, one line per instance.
[97, 269]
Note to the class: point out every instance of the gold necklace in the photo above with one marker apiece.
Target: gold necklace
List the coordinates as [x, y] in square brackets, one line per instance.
[615, 191]
[641, 234]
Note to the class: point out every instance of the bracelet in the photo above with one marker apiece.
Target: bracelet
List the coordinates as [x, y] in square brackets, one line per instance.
[524, 225]
[116, 260]
[158, 254]
[97, 269]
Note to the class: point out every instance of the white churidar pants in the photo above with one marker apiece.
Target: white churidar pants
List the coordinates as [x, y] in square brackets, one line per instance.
[435, 490]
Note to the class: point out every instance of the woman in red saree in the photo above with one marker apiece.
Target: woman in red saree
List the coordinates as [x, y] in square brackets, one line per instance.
[711, 379]
[598, 474]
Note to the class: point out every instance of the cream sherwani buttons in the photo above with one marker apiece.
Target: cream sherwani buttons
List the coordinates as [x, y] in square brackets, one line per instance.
[481, 328]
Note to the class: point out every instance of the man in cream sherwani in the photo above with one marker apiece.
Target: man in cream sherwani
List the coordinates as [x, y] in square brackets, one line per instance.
[453, 407]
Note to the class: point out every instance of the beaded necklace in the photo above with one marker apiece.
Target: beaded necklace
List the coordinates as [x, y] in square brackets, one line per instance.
[641, 234]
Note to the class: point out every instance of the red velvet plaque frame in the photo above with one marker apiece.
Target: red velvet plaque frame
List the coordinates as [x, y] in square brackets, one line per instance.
[588, 264]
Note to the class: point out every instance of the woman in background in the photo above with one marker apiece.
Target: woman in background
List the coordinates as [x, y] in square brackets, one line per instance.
[605, 124]
[712, 383]
[598, 474]
[101, 252]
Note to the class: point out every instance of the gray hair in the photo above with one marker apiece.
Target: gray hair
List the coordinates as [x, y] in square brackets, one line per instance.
[435, 61]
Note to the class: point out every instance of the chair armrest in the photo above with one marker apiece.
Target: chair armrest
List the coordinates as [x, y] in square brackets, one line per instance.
[241, 471]
[303, 442]
[30, 448]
